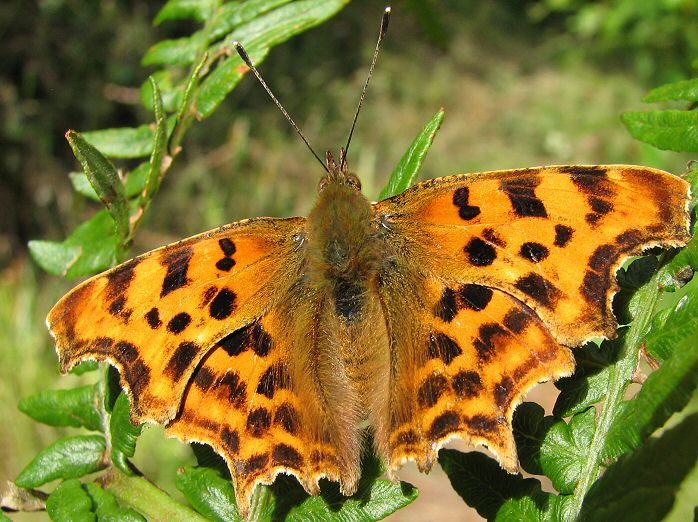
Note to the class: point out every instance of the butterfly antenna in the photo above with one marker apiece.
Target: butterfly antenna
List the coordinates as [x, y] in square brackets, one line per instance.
[246, 58]
[384, 29]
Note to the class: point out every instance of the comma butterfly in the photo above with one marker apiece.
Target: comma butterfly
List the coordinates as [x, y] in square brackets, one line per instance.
[428, 316]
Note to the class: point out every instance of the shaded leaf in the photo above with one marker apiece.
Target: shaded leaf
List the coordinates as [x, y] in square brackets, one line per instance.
[69, 457]
[159, 144]
[84, 367]
[683, 90]
[647, 480]
[124, 434]
[530, 426]
[176, 51]
[104, 179]
[125, 142]
[679, 270]
[135, 182]
[563, 453]
[211, 495]
[408, 167]
[91, 248]
[76, 407]
[666, 391]
[69, 502]
[480, 481]
[670, 328]
[667, 130]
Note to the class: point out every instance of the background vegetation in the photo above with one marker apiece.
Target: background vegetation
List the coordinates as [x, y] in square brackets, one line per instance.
[523, 83]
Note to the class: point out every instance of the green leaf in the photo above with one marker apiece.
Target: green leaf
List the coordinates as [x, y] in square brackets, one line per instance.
[680, 269]
[84, 367]
[176, 51]
[530, 426]
[232, 15]
[667, 130]
[124, 434]
[104, 178]
[199, 10]
[645, 483]
[170, 88]
[91, 248]
[69, 457]
[408, 167]
[258, 37]
[69, 502]
[82, 186]
[671, 328]
[125, 142]
[480, 481]
[683, 90]
[159, 144]
[589, 383]
[211, 495]
[135, 182]
[564, 450]
[666, 391]
[76, 407]
[108, 509]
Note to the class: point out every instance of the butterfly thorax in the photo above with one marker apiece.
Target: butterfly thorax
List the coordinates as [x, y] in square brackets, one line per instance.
[343, 246]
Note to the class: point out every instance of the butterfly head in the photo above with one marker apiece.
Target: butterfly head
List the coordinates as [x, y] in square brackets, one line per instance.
[338, 173]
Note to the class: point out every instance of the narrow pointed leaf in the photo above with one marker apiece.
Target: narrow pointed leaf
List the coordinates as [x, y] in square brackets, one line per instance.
[77, 407]
[564, 450]
[69, 502]
[683, 90]
[159, 144]
[482, 483]
[408, 167]
[69, 457]
[666, 391]
[667, 130]
[104, 178]
[124, 434]
[645, 482]
[135, 182]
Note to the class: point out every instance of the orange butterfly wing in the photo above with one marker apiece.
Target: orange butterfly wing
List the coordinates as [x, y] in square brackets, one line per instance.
[493, 272]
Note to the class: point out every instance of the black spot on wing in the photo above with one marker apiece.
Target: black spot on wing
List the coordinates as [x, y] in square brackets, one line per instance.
[534, 252]
[119, 279]
[521, 192]
[480, 253]
[177, 265]
[254, 464]
[441, 346]
[274, 378]
[485, 343]
[482, 424]
[467, 384]
[444, 424]
[590, 180]
[602, 258]
[465, 210]
[516, 320]
[236, 342]
[475, 297]
[181, 359]
[117, 308]
[203, 378]
[594, 289]
[179, 323]
[237, 390]
[288, 418]
[153, 318]
[258, 422]
[503, 392]
[446, 308]
[287, 456]
[431, 390]
[260, 340]
[563, 235]
[491, 235]
[223, 305]
[227, 246]
[539, 289]
[226, 264]
[231, 440]
[125, 351]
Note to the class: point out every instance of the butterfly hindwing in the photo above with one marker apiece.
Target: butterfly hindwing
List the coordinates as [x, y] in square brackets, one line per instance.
[158, 314]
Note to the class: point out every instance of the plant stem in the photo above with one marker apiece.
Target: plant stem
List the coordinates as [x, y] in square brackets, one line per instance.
[147, 498]
[620, 378]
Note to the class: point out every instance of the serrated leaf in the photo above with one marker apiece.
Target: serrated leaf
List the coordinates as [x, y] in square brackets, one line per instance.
[683, 90]
[667, 130]
[589, 383]
[480, 481]
[530, 426]
[211, 495]
[69, 457]
[124, 434]
[666, 391]
[91, 248]
[125, 142]
[76, 407]
[670, 328]
[199, 10]
[69, 502]
[563, 453]
[524, 509]
[645, 482]
[104, 179]
[408, 167]
[259, 36]
[108, 509]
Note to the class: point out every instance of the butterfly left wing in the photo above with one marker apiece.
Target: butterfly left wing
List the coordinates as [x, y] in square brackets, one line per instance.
[489, 275]
[156, 316]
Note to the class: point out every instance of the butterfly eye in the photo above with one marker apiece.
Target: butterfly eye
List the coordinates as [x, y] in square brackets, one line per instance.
[324, 181]
[354, 182]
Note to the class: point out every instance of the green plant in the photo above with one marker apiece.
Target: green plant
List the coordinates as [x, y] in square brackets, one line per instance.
[571, 453]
